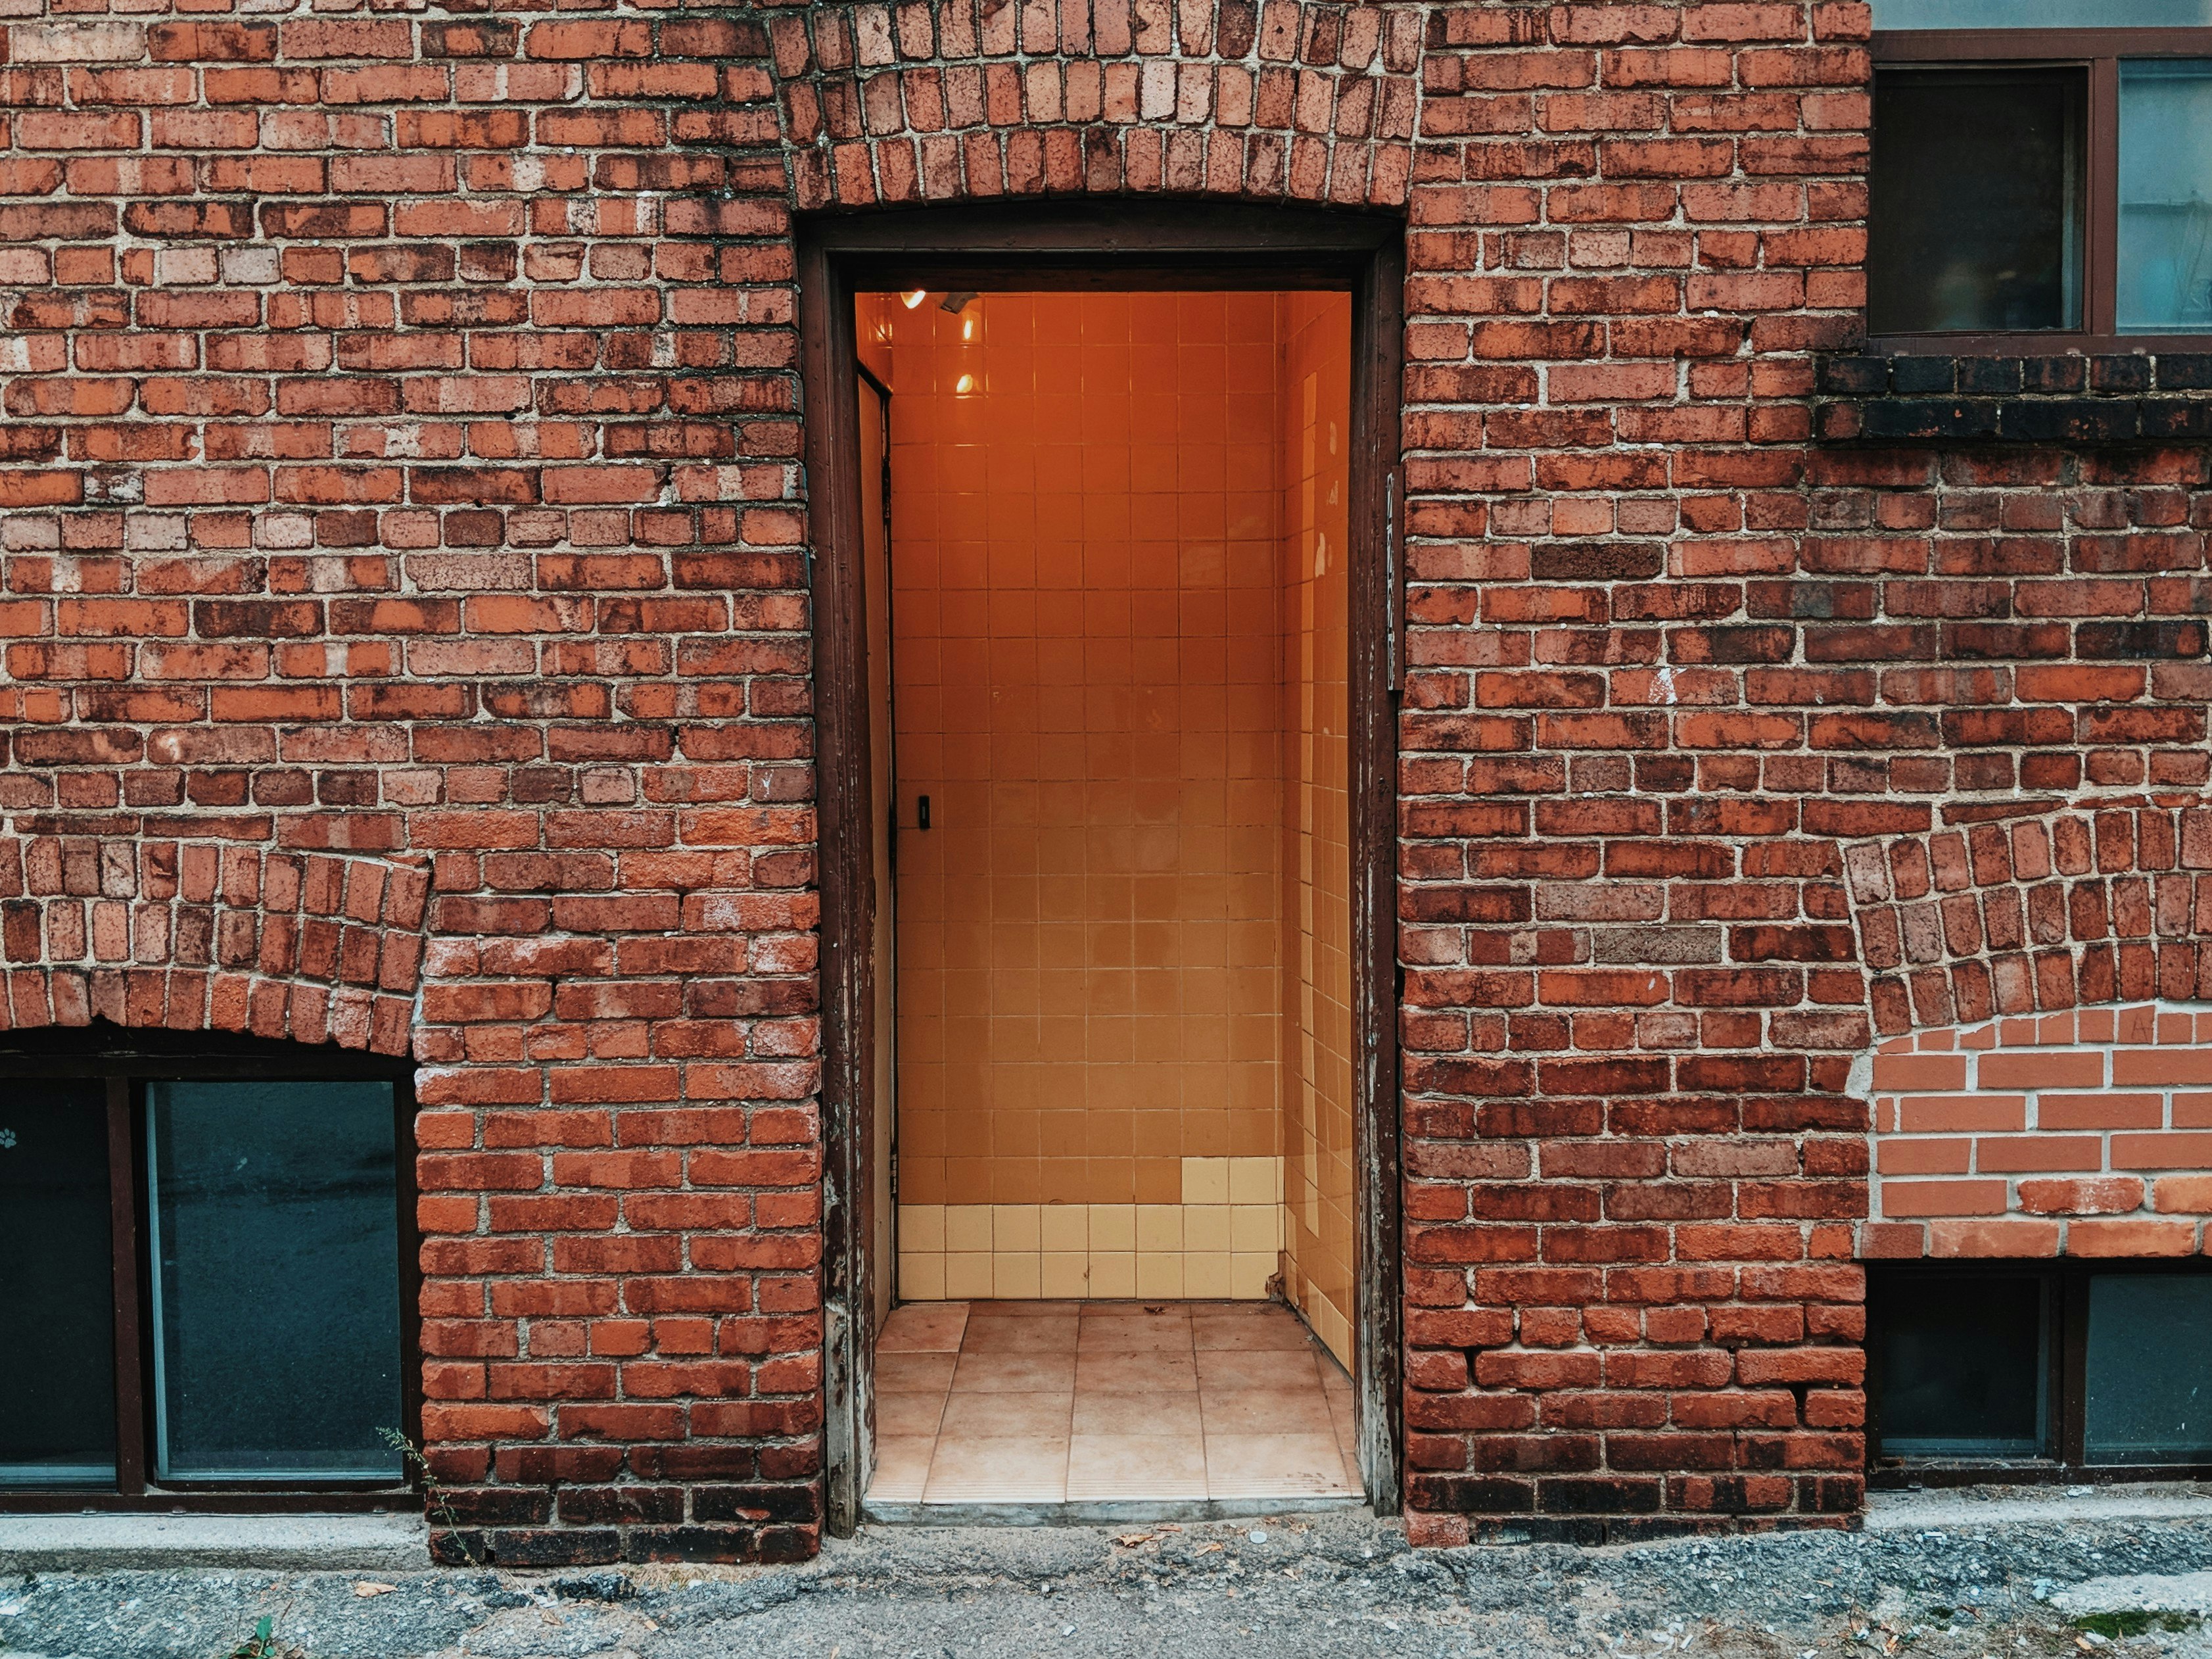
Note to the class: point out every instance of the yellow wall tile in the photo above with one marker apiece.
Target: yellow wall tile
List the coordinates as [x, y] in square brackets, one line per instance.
[1206, 1227]
[1206, 1273]
[1254, 1181]
[1159, 1227]
[967, 1227]
[1017, 1276]
[967, 1275]
[1113, 1273]
[1160, 1273]
[1248, 1273]
[1066, 1274]
[921, 1278]
[921, 1228]
[1016, 1227]
[1066, 1227]
[1255, 1226]
[1206, 1180]
[1113, 1227]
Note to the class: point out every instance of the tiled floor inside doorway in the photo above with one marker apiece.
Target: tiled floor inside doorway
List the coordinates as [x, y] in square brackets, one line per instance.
[1079, 1404]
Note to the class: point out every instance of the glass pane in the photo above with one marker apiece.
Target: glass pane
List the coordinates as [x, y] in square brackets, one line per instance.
[277, 1306]
[2042, 14]
[57, 1272]
[1972, 224]
[2149, 1376]
[1962, 1365]
[2166, 195]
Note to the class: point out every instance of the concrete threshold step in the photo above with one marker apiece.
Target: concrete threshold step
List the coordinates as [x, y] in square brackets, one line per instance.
[1937, 1507]
[110, 1542]
[1099, 1512]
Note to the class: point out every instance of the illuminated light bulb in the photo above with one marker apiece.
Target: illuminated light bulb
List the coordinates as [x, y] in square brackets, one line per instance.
[915, 298]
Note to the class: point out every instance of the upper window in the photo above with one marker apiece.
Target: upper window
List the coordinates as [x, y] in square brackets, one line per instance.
[211, 1254]
[2042, 171]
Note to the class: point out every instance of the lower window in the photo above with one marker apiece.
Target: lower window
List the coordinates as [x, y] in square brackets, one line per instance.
[208, 1256]
[2063, 1366]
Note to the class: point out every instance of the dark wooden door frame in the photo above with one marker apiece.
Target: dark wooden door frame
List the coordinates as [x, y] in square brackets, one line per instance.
[1118, 245]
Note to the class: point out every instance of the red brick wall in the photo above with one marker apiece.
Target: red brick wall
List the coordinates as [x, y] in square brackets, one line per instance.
[401, 419]
[2084, 1132]
[402, 491]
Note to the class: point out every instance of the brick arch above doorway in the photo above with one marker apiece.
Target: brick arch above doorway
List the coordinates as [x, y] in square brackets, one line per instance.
[956, 100]
[2073, 906]
[201, 935]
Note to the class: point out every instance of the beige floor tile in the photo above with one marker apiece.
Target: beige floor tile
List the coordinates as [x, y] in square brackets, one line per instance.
[1116, 1372]
[902, 1468]
[1343, 1414]
[1006, 1417]
[914, 1374]
[998, 1335]
[1352, 1477]
[1153, 1466]
[1217, 1331]
[1033, 1471]
[1134, 1336]
[923, 1327]
[908, 1414]
[1025, 1309]
[1012, 1374]
[1265, 1411]
[1153, 1412]
[1268, 1465]
[1255, 1368]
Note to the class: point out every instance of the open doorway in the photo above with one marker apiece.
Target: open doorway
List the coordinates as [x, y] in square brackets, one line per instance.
[1113, 1232]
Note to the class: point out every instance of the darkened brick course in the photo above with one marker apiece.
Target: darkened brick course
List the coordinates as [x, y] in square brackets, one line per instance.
[2066, 400]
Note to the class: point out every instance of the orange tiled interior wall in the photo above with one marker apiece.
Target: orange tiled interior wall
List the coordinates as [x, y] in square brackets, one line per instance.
[1098, 631]
[1317, 1186]
[2085, 1133]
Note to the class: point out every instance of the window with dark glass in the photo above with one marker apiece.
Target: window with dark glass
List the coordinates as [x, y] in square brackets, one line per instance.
[2041, 169]
[2105, 1367]
[209, 1271]
[58, 1410]
[1989, 242]
[1961, 1360]
[2148, 1386]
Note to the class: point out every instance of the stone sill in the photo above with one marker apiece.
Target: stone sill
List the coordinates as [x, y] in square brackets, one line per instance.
[2130, 398]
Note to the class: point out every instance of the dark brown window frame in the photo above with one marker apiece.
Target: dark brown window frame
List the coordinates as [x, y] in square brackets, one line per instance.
[1111, 246]
[126, 1060]
[2065, 1282]
[2098, 51]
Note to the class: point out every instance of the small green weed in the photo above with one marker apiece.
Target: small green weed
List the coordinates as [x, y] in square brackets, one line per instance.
[262, 1644]
[440, 1511]
[2135, 1621]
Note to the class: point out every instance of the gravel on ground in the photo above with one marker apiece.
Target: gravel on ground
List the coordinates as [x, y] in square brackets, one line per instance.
[1973, 1582]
